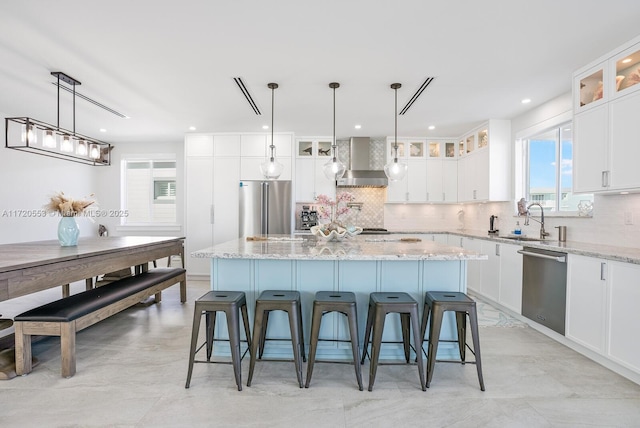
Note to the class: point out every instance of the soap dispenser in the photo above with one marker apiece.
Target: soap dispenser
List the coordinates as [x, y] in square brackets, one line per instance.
[517, 230]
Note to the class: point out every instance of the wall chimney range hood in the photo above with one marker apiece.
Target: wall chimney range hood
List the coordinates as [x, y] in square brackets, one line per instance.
[360, 172]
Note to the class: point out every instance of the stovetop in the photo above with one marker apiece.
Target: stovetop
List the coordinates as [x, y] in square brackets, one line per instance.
[374, 231]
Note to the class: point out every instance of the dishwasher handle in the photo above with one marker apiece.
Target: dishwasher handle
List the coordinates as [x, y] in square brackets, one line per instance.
[560, 259]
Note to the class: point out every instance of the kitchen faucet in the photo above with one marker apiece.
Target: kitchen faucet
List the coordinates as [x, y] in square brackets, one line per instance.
[543, 233]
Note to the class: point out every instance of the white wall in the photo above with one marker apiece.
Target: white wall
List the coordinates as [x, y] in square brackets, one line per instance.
[109, 186]
[28, 180]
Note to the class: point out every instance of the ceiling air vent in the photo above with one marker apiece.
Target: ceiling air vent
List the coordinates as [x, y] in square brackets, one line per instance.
[247, 95]
[416, 95]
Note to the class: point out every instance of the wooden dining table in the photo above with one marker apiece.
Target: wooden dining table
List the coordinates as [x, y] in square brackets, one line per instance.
[29, 267]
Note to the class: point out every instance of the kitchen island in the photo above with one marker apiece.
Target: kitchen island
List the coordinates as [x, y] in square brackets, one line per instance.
[361, 264]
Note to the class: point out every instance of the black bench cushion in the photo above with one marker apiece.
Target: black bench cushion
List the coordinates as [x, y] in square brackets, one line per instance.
[78, 305]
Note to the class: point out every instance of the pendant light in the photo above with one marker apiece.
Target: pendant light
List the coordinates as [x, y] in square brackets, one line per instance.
[334, 169]
[271, 168]
[395, 170]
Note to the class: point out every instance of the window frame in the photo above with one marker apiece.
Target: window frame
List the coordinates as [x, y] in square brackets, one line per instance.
[147, 226]
[521, 167]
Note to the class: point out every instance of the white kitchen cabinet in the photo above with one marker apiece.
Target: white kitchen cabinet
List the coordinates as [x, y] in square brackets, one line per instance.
[590, 134]
[499, 278]
[254, 149]
[606, 105]
[624, 316]
[510, 294]
[587, 291]
[484, 170]
[199, 210]
[213, 169]
[442, 180]
[413, 187]
[490, 278]
[474, 267]
[311, 155]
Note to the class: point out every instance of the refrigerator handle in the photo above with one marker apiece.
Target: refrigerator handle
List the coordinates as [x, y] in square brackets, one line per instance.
[264, 219]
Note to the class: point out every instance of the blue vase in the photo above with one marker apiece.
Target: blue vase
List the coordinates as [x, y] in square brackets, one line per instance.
[68, 232]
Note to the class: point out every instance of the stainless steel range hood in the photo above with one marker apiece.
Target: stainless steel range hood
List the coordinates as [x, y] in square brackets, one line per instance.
[359, 171]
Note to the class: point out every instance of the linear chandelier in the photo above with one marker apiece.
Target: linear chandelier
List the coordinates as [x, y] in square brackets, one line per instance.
[34, 136]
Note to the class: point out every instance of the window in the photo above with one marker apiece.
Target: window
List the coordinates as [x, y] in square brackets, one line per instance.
[548, 169]
[149, 190]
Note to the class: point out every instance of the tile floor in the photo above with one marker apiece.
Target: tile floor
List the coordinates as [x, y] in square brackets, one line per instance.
[132, 369]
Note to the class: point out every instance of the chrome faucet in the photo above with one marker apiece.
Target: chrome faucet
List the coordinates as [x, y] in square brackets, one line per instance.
[543, 233]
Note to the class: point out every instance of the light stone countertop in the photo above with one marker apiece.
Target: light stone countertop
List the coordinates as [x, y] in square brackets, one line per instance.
[361, 247]
[607, 252]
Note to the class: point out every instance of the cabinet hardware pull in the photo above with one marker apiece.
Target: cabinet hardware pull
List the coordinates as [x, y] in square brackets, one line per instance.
[603, 271]
[211, 215]
[443, 197]
[497, 249]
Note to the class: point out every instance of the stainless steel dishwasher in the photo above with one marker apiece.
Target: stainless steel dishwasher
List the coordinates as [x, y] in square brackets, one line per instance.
[544, 287]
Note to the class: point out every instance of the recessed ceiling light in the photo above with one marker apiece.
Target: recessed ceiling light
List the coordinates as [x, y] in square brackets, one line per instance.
[431, 127]
[624, 193]
[192, 128]
[358, 126]
[103, 130]
[526, 101]
[265, 126]
[626, 60]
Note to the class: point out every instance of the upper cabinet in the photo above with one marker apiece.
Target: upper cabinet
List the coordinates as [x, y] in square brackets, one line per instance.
[408, 148]
[484, 163]
[606, 127]
[255, 147]
[311, 154]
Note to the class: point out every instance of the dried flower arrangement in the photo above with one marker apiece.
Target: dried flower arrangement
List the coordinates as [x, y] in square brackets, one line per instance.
[67, 207]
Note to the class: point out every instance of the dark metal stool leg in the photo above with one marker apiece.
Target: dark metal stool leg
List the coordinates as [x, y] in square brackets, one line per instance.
[210, 319]
[301, 331]
[316, 319]
[434, 335]
[263, 336]
[255, 342]
[461, 324]
[418, 341]
[245, 321]
[294, 323]
[367, 332]
[376, 343]
[404, 323]
[473, 320]
[352, 317]
[233, 326]
[197, 314]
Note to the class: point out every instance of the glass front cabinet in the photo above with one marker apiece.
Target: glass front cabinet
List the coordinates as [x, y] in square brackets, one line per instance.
[606, 104]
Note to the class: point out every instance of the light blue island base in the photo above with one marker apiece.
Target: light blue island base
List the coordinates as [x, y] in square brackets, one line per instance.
[359, 276]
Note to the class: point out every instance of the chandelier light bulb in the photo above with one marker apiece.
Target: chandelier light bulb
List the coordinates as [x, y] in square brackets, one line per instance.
[94, 152]
[49, 140]
[82, 148]
[29, 135]
[66, 145]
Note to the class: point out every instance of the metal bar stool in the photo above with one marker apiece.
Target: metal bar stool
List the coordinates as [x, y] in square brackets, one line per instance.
[381, 304]
[276, 300]
[436, 303]
[344, 303]
[231, 303]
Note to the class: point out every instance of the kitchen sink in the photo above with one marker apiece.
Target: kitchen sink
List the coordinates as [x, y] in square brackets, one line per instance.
[521, 238]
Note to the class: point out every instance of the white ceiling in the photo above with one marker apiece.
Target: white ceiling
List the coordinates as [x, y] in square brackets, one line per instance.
[170, 64]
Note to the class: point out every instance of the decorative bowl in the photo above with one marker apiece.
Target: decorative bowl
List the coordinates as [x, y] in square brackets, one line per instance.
[353, 231]
[329, 235]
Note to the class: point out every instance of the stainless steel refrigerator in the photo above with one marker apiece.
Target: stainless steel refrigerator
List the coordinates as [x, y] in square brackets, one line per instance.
[265, 207]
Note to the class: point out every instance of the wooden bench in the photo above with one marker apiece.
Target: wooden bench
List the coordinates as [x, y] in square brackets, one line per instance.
[66, 317]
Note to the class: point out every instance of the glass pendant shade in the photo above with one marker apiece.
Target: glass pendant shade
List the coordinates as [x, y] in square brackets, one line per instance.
[395, 170]
[66, 145]
[94, 151]
[49, 140]
[29, 135]
[334, 169]
[82, 148]
[271, 169]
